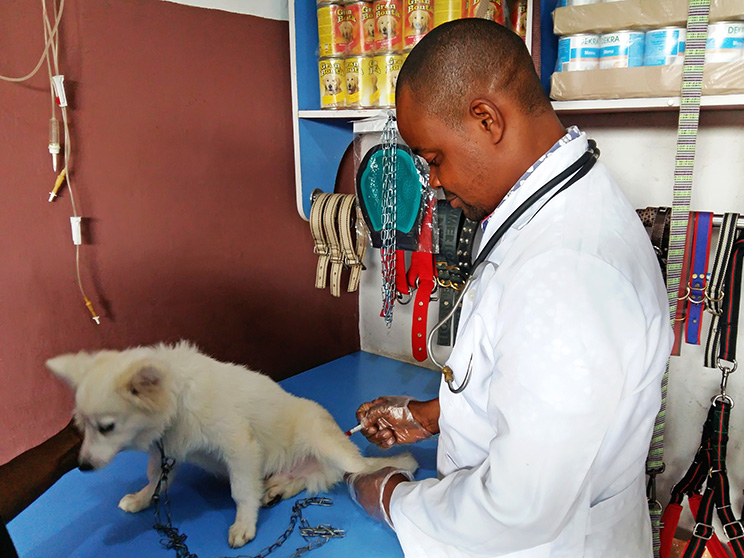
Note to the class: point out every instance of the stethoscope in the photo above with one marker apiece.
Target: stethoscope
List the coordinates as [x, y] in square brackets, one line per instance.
[576, 171]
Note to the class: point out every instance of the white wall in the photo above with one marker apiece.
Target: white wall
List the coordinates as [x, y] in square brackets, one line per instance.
[639, 150]
[271, 9]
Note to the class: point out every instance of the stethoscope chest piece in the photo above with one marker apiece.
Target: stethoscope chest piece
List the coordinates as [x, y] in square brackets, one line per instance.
[449, 377]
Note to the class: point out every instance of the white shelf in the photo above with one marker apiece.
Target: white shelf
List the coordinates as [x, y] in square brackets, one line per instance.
[721, 102]
[348, 114]
[372, 120]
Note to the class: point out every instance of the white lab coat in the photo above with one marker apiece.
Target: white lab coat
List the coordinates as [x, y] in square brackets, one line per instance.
[543, 454]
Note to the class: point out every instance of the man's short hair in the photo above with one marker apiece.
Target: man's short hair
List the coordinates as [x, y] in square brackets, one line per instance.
[463, 58]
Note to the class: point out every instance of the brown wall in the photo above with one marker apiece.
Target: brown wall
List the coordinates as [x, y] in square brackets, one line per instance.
[181, 124]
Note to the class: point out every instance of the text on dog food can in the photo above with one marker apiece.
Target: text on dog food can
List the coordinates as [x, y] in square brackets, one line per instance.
[725, 41]
[581, 2]
[332, 85]
[360, 83]
[418, 20]
[622, 49]
[518, 18]
[388, 25]
[389, 66]
[332, 42]
[578, 52]
[494, 11]
[447, 10]
[664, 46]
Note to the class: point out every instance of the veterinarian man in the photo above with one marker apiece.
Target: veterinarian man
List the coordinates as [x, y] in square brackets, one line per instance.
[565, 328]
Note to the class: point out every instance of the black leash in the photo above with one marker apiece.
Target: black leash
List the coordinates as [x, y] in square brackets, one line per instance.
[173, 539]
[710, 464]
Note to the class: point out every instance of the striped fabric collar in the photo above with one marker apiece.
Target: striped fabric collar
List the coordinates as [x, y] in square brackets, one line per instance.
[571, 134]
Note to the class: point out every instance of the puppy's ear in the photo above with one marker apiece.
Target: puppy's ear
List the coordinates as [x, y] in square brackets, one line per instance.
[70, 367]
[146, 385]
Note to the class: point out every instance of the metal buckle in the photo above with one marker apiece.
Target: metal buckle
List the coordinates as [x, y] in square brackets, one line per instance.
[726, 530]
[722, 398]
[705, 526]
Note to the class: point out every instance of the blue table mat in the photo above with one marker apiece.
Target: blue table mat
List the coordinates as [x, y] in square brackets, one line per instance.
[78, 516]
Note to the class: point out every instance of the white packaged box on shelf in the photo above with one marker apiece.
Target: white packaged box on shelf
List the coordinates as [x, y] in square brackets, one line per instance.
[636, 14]
[649, 81]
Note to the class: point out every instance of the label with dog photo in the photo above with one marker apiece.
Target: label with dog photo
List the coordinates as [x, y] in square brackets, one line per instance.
[332, 86]
[389, 65]
[418, 21]
[388, 25]
[362, 15]
[494, 11]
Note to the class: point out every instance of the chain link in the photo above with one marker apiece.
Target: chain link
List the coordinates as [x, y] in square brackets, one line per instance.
[389, 216]
[172, 539]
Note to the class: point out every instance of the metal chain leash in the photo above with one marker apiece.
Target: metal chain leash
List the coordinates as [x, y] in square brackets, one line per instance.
[389, 217]
[172, 539]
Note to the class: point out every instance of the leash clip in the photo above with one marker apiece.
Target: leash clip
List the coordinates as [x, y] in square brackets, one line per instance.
[726, 371]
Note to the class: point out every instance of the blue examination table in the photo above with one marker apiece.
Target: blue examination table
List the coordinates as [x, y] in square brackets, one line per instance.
[78, 516]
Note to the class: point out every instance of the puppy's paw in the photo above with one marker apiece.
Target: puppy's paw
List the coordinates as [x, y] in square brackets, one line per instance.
[133, 503]
[240, 533]
[273, 492]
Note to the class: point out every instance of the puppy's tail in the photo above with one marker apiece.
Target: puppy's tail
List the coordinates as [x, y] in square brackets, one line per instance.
[403, 461]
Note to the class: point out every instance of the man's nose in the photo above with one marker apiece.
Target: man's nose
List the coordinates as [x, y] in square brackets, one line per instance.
[434, 178]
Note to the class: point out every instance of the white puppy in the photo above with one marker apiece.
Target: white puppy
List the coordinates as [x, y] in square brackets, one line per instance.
[223, 417]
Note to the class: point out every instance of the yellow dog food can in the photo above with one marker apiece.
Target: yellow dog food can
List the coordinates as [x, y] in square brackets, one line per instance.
[388, 26]
[388, 66]
[417, 21]
[447, 10]
[332, 86]
[361, 82]
[332, 41]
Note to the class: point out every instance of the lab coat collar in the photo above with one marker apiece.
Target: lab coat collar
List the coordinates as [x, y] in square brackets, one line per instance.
[561, 159]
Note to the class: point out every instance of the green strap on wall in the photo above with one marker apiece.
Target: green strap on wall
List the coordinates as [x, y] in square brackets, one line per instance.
[684, 163]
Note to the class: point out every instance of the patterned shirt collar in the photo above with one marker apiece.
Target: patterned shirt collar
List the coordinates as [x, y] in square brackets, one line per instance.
[571, 134]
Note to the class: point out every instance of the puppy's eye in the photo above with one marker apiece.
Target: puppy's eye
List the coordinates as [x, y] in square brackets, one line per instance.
[105, 428]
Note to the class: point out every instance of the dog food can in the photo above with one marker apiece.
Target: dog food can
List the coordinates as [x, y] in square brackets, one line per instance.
[578, 52]
[332, 84]
[332, 41]
[518, 18]
[622, 49]
[494, 11]
[388, 26]
[389, 67]
[418, 20]
[447, 10]
[664, 46]
[353, 23]
[358, 82]
[581, 2]
[725, 41]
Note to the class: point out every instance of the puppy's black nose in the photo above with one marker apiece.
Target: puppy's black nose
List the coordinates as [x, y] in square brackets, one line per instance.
[85, 466]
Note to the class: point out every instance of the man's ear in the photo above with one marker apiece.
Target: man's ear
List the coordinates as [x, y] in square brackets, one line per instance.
[146, 385]
[489, 118]
[70, 367]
